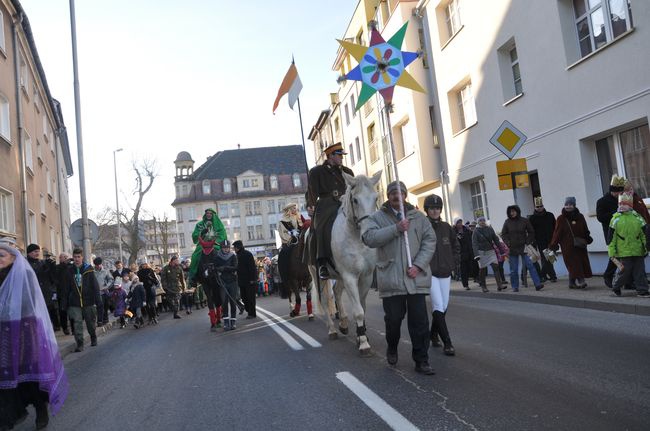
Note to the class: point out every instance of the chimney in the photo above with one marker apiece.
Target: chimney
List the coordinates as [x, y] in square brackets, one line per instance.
[239, 146]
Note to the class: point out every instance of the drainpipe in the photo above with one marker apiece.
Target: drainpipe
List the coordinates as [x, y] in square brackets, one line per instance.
[419, 12]
[58, 186]
[17, 21]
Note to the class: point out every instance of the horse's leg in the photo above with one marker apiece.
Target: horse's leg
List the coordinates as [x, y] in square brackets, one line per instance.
[295, 288]
[310, 311]
[352, 288]
[343, 317]
[325, 300]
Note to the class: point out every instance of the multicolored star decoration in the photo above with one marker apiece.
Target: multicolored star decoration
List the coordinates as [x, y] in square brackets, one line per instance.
[381, 66]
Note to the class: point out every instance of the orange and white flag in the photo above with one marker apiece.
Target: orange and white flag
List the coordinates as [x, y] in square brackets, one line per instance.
[290, 84]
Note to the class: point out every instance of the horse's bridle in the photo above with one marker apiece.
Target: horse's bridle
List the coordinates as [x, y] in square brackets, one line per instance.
[357, 221]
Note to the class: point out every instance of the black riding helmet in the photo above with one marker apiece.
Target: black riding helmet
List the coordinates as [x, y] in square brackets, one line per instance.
[432, 201]
[225, 243]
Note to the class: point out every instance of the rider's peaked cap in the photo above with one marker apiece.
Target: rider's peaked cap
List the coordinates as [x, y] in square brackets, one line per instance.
[334, 147]
[432, 201]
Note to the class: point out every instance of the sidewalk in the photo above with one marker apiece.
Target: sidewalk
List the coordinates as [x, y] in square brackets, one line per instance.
[596, 296]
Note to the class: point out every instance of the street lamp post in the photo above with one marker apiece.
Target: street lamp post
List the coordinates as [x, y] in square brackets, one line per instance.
[117, 202]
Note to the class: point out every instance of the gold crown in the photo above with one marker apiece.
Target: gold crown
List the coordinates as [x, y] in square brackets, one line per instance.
[539, 202]
[617, 181]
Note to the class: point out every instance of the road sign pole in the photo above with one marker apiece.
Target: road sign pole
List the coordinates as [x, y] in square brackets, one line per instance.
[513, 176]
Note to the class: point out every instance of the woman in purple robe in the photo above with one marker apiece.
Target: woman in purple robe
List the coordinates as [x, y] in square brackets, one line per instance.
[31, 370]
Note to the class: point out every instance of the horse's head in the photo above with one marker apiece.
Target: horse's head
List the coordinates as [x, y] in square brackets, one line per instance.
[360, 199]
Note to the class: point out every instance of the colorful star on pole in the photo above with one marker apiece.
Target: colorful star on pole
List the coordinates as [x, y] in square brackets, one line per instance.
[381, 66]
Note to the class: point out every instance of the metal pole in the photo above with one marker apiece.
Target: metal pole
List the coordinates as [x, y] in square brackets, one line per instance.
[388, 109]
[80, 155]
[117, 204]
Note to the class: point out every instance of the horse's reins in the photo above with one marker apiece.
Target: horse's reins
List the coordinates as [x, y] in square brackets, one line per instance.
[357, 221]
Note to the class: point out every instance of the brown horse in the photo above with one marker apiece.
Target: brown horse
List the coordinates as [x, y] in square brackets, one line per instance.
[295, 275]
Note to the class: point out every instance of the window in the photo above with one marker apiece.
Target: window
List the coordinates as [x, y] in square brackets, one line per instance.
[516, 73]
[257, 207]
[259, 232]
[347, 114]
[462, 106]
[222, 210]
[46, 127]
[249, 208]
[274, 182]
[39, 152]
[296, 180]
[281, 204]
[53, 242]
[351, 152]
[24, 75]
[353, 106]
[206, 187]
[5, 125]
[270, 206]
[246, 184]
[33, 228]
[234, 210]
[626, 153]
[358, 146]
[250, 230]
[178, 191]
[192, 215]
[181, 239]
[398, 139]
[29, 157]
[185, 190]
[227, 185]
[42, 204]
[179, 215]
[2, 33]
[6, 211]
[452, 18]
[337, 126]
[48, 179]
[236, 235]
[478, 197]
[594, 29]
[272, 228]
[372, 143]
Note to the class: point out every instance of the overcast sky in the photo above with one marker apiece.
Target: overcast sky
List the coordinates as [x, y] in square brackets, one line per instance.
[158, 77]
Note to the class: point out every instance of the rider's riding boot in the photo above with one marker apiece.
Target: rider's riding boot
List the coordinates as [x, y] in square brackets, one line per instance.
[296, 311]
[310, 309]
[233, 323]
[441, 324]
[433, 333]
[226, 324]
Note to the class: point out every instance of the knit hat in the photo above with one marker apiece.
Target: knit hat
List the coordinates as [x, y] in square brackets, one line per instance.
[456, 220]
[539, 202]
[625, 201]
[32, 247]
[570, 200]
[393, 187]
[432, 201]
[617, 184]
[480, 219]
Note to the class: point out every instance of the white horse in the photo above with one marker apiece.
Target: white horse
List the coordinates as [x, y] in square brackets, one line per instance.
[354, 262]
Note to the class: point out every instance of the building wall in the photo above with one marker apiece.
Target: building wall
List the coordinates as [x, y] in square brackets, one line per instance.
[36, 129]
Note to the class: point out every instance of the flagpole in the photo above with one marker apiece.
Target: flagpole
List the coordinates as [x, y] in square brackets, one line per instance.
[388, 108]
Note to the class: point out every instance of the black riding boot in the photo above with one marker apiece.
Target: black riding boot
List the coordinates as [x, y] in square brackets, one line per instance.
[433, 335]
[441, 324]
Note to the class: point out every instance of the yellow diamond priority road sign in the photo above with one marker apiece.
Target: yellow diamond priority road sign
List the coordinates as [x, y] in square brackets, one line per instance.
[508, 139]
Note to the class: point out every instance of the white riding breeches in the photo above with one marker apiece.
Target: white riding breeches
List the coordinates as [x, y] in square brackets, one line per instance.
[440, 293]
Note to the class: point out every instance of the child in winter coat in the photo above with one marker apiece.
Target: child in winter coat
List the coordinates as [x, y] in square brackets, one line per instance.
[119, 300]
[629, 246]
[137, 301]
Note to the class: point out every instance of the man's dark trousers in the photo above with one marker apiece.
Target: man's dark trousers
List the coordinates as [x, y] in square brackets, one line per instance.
[395, 307]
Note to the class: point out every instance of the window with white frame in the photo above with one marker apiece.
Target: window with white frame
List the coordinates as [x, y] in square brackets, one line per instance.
[24, 75]
[270, 206]
[452, 18]
[274, 182]
[281, 204]
[234, 210]
[462, 107]
[227, 185]
[48, 180]
[192, 214]
[296, 180]
[223, 210]
[347, 114]
[5, 124]
[29, 156]
[2, 33]
[206, 187]
[42, 204]
[250, 230]
[181, 239]
[53, 242]
[179, 215]
[33, 228]
[351, 153]
[353, 106]
[478, 197]
[598, 22]
[516, 73]
[626, 153]
[7, 211]
[372, 143]
[358, 147]
[272, 228]
[248, 207]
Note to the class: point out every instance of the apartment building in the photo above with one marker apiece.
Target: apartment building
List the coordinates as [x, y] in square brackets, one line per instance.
[34, 153]
[247, 187]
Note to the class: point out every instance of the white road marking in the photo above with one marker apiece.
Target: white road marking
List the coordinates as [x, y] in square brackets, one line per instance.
[391, 416]
[299, 332]
[282, 333]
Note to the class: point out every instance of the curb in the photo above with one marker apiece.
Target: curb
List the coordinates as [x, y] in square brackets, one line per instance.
[68, 345]
[641, 310]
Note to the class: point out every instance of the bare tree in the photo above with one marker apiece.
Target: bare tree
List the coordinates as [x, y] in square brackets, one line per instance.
[145, 174]
[161, 237]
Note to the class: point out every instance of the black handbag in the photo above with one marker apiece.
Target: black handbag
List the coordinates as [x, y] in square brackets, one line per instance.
[577, 241]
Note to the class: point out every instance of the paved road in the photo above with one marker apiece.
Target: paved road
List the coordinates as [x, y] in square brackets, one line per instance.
[519, 366]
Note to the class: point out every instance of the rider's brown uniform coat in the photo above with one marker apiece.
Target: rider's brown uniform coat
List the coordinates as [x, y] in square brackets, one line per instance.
[326, 185]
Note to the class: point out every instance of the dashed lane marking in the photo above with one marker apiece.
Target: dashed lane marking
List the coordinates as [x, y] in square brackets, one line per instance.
[293, 328]
[389, 415]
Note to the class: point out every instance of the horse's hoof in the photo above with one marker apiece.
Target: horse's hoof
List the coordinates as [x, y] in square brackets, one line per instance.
[293, 314]
[343, 330]
[365, 353]
[333, 336]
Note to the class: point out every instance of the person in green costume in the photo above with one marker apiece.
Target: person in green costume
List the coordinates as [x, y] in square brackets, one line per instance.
[207, 235]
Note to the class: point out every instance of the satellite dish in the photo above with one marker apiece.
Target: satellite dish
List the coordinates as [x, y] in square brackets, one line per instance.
[77, 232]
